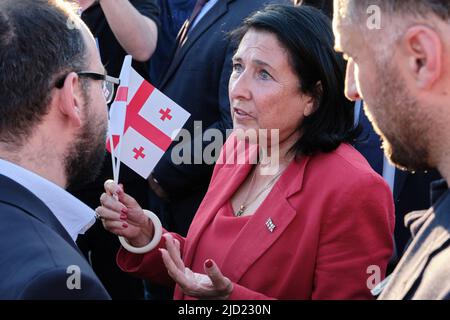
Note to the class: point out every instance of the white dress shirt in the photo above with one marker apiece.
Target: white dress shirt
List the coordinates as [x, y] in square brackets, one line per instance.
[74, 215]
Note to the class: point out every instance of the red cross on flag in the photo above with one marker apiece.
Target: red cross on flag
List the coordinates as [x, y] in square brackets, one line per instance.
[152, 121]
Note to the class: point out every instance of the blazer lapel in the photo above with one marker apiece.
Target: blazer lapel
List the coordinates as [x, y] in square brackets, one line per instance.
[256, 238]
[219, 9]
[276, 211]
[224, 186]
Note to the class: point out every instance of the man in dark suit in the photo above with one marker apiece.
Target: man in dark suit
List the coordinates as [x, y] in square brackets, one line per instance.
[52, 129]
[401, 70]
[197, 79]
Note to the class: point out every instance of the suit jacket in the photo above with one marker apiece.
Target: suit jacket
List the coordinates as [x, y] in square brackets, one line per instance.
[334, 219]
[411, 190]
[197, 79]
[37, 252]
[422, 273]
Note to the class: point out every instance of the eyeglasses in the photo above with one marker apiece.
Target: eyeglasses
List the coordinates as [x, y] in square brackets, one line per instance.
[107, 85]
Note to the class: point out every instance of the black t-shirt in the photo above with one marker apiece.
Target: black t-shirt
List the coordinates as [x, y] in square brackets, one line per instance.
[111, 51]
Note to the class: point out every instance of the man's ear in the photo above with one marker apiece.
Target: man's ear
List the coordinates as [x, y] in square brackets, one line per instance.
[311, 100]
[71, 99]
[423, 48]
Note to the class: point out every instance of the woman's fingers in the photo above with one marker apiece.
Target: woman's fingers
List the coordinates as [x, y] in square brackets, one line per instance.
[117, 192]
[109, 202]
[108, 214]
[110, 224]
[122, 204]
[119, 228]
[213, 285]
[111, 188]
[176, 274]
[128, 200]
[177, 245]
[174, 251]
[221, 283]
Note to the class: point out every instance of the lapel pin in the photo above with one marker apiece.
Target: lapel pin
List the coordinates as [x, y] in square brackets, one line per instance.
[270, 225]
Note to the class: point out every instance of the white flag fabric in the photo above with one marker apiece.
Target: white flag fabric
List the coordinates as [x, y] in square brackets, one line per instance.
[117, 110]
[139, 153]
[151, 123]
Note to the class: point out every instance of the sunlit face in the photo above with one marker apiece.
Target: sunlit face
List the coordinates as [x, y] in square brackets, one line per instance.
[389, 104]
[264, 90]
[85, 155]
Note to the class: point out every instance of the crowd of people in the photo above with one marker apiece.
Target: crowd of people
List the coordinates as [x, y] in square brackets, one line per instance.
[349, 110]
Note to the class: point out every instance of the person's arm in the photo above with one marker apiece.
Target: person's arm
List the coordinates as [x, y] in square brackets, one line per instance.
[136, 33]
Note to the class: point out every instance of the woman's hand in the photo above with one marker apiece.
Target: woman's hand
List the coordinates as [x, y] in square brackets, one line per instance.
[122, 215]
[212, 285]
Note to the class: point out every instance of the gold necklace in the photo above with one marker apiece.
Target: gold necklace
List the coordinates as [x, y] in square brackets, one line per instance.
[245, 204]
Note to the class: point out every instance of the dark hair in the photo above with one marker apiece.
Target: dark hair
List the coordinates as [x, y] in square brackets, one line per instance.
[306, 34]
[38, 43]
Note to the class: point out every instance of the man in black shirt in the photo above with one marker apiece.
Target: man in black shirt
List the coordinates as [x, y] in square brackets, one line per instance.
[120, 27]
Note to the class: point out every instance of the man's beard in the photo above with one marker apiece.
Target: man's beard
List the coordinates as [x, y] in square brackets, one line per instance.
[397, 117]
[85, 155]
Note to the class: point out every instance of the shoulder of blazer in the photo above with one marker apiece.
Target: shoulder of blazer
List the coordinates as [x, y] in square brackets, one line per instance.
[14, 194]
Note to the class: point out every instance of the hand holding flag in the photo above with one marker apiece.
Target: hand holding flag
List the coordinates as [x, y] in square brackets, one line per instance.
[142, 124]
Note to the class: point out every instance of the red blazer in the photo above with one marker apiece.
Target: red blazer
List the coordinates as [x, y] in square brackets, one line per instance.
[334, 220]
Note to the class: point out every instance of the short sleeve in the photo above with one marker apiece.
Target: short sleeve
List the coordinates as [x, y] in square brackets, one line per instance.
[148, 8]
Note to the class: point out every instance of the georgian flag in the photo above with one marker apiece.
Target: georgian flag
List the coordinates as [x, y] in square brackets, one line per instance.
[152, 121]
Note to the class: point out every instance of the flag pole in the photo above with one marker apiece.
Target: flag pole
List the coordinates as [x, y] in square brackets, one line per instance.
[111, 146]
[126, 67]
[119, 149]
